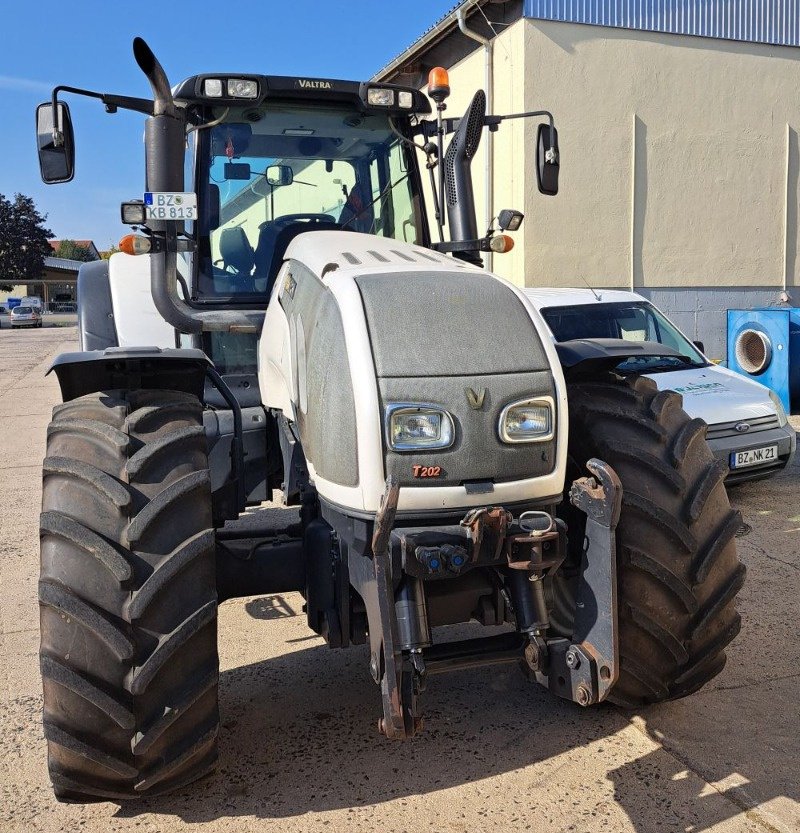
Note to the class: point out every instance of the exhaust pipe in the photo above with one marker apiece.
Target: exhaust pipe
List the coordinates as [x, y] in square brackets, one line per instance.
[458, 177]
[163, 102]
[164, 135]
[164, 147]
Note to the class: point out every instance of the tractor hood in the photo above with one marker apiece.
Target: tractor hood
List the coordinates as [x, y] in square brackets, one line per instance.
[371, 323]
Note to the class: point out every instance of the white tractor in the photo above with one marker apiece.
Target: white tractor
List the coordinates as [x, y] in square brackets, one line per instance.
[283, 321]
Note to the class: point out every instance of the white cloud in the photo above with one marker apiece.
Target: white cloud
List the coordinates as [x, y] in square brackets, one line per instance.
[24, 85]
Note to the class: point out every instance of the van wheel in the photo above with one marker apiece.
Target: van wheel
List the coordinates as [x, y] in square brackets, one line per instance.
[128, 596]
[677, 569]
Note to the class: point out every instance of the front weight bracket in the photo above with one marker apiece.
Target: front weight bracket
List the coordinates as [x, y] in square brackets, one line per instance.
[585, 668]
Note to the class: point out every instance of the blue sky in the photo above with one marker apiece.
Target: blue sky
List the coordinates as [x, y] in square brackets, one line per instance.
[88, 44]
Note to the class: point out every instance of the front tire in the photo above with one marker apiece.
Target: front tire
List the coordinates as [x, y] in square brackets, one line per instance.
[677, 569]
[128, 596]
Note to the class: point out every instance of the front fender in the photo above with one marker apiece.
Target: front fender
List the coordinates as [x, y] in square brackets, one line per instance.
[131, 368]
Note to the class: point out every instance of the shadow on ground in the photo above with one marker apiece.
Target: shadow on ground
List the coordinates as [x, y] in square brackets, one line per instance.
[478, 725]
[740, 733]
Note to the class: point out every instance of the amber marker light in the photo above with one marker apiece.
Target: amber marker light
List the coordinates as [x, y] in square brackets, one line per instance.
[501, 243]
[134, 244]
[438, 84]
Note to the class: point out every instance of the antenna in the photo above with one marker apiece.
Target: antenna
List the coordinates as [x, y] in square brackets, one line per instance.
[591, 289]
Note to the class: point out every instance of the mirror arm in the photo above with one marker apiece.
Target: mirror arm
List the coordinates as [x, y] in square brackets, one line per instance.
[429, 128]
[112, 102]
[493, 122]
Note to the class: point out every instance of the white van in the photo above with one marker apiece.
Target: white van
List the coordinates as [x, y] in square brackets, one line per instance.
[747, 424]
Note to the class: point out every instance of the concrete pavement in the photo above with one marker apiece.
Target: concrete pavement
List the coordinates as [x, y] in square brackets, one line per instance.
[299, 750]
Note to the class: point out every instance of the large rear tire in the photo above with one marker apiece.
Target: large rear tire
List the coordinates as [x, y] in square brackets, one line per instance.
[677, 569]
[128, 596]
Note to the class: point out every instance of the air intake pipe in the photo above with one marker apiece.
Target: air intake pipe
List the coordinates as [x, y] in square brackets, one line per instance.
[459, 196]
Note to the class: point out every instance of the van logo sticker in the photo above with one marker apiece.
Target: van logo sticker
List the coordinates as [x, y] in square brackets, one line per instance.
[475, 397]
[701, 388]
[742, 427]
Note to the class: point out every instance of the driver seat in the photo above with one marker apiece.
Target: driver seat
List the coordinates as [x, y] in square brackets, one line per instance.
[236, 251]
[273, 240]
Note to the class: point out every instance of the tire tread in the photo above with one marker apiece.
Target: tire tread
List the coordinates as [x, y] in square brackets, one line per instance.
[133, 712]
[677, 570]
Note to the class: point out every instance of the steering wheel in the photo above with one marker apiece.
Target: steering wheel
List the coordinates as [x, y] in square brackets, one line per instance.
[286, 219]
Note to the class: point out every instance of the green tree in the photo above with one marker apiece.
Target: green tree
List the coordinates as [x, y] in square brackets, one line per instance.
[23, 241]
[111, 250]
[70, 250]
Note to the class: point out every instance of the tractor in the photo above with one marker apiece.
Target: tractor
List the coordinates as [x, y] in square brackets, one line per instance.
[280, 325]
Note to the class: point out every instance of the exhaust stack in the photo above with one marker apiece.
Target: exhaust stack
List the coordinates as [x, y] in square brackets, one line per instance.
[164, 136]
[163, 103]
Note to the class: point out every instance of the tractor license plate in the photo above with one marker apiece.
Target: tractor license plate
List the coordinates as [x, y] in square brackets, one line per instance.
[169, 205]
[740, 459]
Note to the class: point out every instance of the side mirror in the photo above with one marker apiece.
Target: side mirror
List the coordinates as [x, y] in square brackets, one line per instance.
[700, 346]
[547, 161]
[55, 143]
[279, 175]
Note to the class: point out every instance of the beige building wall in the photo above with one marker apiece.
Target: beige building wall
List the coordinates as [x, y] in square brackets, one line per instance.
[676, 157]
[680, 165]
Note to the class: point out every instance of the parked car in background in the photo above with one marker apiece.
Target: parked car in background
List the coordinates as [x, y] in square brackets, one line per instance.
[24, 316]
[747, 424]
[33, 301]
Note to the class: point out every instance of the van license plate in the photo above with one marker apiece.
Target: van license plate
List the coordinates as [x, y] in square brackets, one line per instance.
[164, 205]
[740, 459]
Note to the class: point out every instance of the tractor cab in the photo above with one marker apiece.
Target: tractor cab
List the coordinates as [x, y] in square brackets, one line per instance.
[300, 155]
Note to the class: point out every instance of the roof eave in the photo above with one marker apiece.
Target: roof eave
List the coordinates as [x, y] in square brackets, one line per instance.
[427, 39]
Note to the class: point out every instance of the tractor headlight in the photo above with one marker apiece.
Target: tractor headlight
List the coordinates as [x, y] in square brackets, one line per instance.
[212, 87]
[410, 426]
[528, 421]
[779, 409]
[380, 96]
[242, 88]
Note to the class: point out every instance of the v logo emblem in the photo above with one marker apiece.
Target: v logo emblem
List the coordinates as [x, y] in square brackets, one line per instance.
[475, 397]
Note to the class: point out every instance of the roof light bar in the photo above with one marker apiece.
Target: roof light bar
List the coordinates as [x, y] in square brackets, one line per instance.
[230, 88]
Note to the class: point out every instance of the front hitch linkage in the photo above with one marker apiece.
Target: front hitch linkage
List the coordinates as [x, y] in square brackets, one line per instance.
[582, 669]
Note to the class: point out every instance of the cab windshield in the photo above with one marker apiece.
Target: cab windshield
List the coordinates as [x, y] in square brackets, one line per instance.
[270, 173]
[638, 321]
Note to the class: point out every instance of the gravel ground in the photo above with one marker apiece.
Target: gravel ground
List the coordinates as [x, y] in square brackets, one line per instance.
[299, 746]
